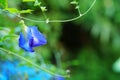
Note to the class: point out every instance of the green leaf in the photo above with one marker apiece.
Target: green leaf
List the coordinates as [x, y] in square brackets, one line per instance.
[43, 8]
[37, 3]
[26, 11]
[12, 10]
[1, 28]
[28, 0]
[3, 3]
[74, 2]
[77, 7]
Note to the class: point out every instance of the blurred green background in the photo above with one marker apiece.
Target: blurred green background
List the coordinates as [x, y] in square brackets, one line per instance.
[88, 47]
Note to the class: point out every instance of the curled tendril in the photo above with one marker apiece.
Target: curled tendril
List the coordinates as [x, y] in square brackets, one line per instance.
[53, 21]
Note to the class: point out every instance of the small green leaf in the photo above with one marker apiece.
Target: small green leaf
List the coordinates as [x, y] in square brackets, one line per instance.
[3, 3]
[77, 7]
[37, 3]
[47, 20]
[1, 28]
[74, 2]
[26, 11]
[12, 10]
[43, 8]
[28, 0]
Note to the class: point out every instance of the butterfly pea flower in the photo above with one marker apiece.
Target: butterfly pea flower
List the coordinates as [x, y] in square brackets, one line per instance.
[31, 38]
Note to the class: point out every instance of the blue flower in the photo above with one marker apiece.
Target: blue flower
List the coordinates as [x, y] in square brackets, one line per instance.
[2, 77]
[7, 70]
[32, 37]
[11, 70]
[26, 69]
[41, 75]
[58, 78]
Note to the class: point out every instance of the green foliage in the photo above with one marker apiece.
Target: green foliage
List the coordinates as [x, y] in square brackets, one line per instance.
[14, 10]
[3, 3]
[37, 3]
[43, 9]
[28, 0]
[96, 34]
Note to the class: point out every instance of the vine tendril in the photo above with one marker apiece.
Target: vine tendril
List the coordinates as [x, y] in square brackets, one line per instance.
[67, 20]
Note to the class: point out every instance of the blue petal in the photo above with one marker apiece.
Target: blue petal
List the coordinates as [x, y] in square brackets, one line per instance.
[59, 78]
[29, 37]
[38, 38]
[3, 77]
[25, 44]
[25, 69]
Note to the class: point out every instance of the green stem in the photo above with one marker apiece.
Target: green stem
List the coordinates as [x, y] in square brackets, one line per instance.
[58, 59]
[44, 15]
[67, 20]
[37, 66]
